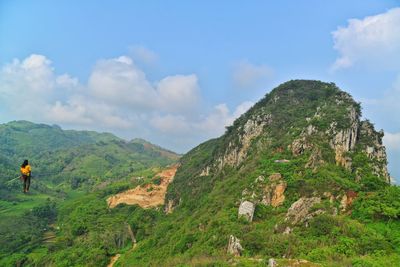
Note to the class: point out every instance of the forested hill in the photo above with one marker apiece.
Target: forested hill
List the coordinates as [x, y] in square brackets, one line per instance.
[68, 158]
[71, 169]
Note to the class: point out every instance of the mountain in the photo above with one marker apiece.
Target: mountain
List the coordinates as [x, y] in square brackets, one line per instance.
[298, 180]
[298, 176]
[58, 155]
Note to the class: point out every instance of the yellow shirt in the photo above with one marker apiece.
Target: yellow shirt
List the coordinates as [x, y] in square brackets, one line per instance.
[26, 170]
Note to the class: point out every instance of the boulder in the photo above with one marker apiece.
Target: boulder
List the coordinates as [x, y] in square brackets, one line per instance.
[300, 210]
[234, 247]
[246, 209]
[272, 263]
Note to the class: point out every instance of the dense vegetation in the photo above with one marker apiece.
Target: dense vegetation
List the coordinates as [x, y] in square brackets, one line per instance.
[196, 233]
[75, 168]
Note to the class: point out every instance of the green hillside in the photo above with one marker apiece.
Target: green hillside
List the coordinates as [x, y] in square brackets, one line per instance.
[68, 167]
[299, 179]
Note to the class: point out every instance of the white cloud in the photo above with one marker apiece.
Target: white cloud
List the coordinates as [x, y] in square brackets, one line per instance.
[66, 81]
[178, 93]
[171, 124]
[117, 98]
[143, 54]
[221, 117]
[247, 75]
[392, 141]
[373, 41]
[119, 82]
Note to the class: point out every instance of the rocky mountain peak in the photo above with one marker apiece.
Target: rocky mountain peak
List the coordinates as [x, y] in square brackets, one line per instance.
[305, 117]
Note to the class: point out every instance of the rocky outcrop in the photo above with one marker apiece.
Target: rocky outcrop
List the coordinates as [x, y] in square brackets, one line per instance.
[375, 149]
[347, 200]
[266, 191]
[274, 192]
[205, 171]
[234, 247]
[169, 208]
[315, 159]
[272, 263]
[299, 146]
[344, 140]
[246, 209]
[300, 210]
[236, 153]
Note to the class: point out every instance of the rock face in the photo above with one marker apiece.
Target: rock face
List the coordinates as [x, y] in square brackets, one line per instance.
[269, 191]
[300, 210]
[274, 191]
[347, 200]
[345, 139]
[234, 247]
[375, 150]
[236, 153]
[246, 209]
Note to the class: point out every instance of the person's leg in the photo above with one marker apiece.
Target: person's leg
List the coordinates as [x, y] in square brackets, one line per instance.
[24, 178]
[28, 183]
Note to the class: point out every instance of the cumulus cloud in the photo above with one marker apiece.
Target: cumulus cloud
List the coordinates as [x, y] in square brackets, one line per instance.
[373, 41]
[178, 93]
[118, 81]
[248, 76]
[392, 141]
[118, 97]
[143, 54]
[171, 124]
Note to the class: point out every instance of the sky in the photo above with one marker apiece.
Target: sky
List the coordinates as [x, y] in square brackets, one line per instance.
[177, 72]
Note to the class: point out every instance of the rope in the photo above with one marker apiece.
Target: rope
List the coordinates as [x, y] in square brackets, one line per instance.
[13, 179]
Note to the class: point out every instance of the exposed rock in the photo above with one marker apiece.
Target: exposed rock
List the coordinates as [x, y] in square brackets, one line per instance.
[236, 153]
[345, 140]
[169, 208]
[274, 191]
[299, 146]
[267, 191]
[329, 196]
[234, 247]
[275, 177]
[375, 150]
[287, 230]
[315, 159]
[246, 209]
[205, 171]
[347, 200]
[300, 210]
[272, 263]
[282, 161]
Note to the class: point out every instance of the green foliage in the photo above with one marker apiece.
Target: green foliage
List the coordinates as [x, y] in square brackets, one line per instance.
[383, 205]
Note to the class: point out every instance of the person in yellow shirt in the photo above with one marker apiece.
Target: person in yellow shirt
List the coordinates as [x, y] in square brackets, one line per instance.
[26, 175]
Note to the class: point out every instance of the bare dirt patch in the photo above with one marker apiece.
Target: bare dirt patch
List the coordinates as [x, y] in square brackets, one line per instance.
[114, 260]
[148, 196]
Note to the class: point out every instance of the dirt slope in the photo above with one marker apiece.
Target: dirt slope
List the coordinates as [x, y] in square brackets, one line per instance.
[147, 196]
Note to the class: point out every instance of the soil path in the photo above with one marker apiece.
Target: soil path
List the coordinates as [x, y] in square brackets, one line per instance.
[114, 260]
[148, 196]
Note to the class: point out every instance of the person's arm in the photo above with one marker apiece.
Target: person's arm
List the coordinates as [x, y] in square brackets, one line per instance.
[29, 170]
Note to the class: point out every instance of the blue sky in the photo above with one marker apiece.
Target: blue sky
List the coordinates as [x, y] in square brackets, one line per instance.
[177, 72]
